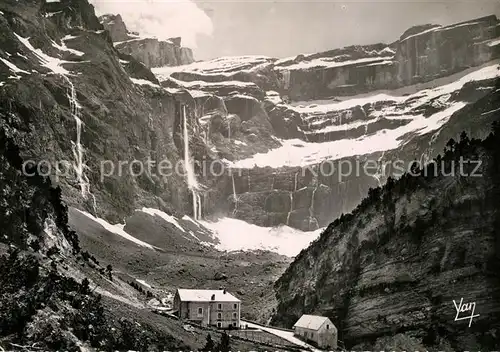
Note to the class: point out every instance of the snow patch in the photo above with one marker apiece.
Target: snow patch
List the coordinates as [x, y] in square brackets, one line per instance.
[238, 235]
[168, 218]
[13, 67]
[117, 229]
[69, 37]
[415, 99]
[329, 63]
[226, 65]
[63, 47]
[144, 283]
[243, 96]
[423, 32]
[494, 42]
[199, 93]
[295, 152]
[50, 62]
[203, 84]
[50, 14]
[187, 218]
[144, 82]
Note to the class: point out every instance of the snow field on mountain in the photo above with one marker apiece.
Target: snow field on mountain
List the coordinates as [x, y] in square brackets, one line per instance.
[238, 235]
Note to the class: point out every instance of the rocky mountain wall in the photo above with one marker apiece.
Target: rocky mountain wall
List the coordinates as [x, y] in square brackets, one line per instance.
[308, 197]
[122, 121]
[425, 55]
[150, 51]
[394, 266]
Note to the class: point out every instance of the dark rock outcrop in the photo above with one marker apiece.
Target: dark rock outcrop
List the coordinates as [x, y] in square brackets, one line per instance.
[396, 264]
[116, 27]
[156, 53]
[150, 51]
[440, 51]
[122, 121]
[422, 54]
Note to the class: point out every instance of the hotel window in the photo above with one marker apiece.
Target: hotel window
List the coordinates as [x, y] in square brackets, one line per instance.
[327, 326]
[235, 306]
[219, 325]
[219, 315]
[219, 306]
[235, 315]
[200, 311]
[234, 324]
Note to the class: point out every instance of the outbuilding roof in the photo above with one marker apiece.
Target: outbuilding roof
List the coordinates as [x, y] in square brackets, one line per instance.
[189, 295]
[312, 322]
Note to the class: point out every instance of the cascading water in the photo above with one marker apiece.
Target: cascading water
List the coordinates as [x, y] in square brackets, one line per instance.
[291, 198]
[190, 175]
[198, 207]
[380, 170]
[234, 195]
[311, 208]
[290, 210]
[77, 148]
[286, 79]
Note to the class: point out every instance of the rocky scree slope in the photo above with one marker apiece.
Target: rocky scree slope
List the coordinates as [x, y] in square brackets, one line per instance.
[387, 273]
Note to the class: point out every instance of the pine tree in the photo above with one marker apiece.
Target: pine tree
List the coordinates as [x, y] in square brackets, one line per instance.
[109, 270]
[224, 344]
[209, 345]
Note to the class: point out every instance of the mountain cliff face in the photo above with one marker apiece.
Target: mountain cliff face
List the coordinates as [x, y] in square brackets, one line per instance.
[420, 55]
[49, 299]
[296, 179]
[280, 155]
[394, 266]
[150, 51]
[81, 114]
[84, 110]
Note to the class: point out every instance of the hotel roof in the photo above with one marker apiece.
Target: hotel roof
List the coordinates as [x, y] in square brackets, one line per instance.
[188, 295]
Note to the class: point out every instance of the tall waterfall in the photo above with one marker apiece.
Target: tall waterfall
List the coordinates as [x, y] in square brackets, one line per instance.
[188, 164]
[380, 169]
[311, 208]
[76, 146]
[234, 194]
[290, 210]
[286, 79]
[291, 198]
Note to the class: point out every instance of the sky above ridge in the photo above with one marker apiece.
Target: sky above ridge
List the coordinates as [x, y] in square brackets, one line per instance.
[282, 28]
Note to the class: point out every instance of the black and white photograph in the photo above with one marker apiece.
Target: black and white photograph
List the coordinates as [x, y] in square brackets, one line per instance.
[250, 175]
